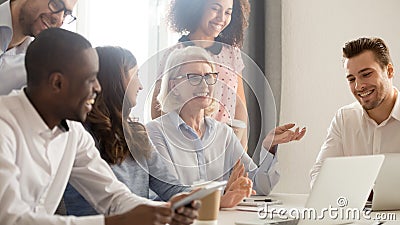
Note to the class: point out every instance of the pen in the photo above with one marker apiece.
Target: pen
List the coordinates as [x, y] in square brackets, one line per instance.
[257, 200]
[263, 200]
[378, 223]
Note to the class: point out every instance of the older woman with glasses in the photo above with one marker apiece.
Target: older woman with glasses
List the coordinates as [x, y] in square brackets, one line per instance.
[196, 146]
[218, 26]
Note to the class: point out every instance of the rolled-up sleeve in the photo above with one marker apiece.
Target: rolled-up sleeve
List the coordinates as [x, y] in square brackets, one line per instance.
[265, 176]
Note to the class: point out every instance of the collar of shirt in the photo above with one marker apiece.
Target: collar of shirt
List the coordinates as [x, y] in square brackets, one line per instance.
[36, 122]
[180, 125]
[5, 26]
[215, 49]
[396, 108]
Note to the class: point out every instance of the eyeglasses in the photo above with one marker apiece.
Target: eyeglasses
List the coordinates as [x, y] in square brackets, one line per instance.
[57, 6]
[196, 79]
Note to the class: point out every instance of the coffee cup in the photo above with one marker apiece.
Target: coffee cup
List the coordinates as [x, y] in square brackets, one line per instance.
[208, 213]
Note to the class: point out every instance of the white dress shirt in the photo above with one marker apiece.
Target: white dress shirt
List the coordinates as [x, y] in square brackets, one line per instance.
[12, 61]
[210, 157]
[36, 163]
[352, 132]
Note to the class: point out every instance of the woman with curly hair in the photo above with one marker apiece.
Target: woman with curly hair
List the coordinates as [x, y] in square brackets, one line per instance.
[218, 26]
[118, 67]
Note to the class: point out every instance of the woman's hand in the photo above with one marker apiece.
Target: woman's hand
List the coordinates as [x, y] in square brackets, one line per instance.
[241, 188]
[238, 171]
[282, 134]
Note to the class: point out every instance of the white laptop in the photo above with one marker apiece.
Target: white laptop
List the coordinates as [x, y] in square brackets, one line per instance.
[343, 183]
[387, 185]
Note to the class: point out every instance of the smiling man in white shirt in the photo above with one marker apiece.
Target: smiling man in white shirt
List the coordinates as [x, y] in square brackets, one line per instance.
[370, 125]
[43, 144]
[20, 21]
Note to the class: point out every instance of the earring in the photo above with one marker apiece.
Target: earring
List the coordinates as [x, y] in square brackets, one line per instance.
[175, 93]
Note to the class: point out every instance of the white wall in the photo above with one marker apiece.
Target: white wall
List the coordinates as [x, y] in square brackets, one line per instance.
[138, 26]
[313, 80]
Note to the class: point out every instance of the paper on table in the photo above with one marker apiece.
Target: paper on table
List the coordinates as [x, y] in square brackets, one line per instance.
[274, 209]
[260, 203]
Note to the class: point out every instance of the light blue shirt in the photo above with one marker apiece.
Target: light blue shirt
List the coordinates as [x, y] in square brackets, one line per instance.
[211, 157]
[12, 61]
[138, 177]
[139, 173]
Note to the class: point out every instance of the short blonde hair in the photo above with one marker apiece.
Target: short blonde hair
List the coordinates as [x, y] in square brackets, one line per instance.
[176, 59]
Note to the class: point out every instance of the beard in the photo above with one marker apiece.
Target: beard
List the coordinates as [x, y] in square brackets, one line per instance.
[26, 20]
[372, 105]
[382, 91]
[31, 24]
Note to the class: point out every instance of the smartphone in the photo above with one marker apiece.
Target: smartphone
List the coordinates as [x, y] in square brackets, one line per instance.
[203, 192]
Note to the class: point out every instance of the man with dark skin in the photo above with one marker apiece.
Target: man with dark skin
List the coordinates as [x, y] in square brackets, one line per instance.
[43, 144]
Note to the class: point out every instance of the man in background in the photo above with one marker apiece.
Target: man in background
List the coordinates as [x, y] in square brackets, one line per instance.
[20, 21]
[370, 125]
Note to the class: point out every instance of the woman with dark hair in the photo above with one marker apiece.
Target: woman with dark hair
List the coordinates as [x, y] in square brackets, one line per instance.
[218, 26]
[117, 69]
[183, 17]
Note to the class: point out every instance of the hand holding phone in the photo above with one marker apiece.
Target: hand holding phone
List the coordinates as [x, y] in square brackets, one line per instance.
[199, 194]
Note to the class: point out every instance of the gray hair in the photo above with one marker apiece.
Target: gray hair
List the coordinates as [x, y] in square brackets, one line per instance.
[176, 59]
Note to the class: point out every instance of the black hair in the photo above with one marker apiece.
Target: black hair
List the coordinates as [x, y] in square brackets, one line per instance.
[53, 50]
[184, 17]
[376, 45]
